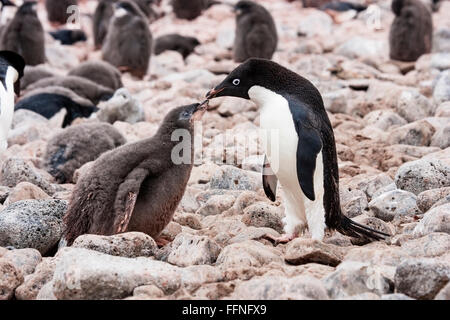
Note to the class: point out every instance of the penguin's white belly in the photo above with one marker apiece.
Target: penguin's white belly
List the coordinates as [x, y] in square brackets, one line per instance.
[280, 140]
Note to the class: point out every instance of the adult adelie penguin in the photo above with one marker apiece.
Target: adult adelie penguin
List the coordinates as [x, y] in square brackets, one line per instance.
[11, 70]
[57, 10]
[24, 34]
[136, 187]
[300, 147]
[128, 44]
[411, 31]
[256, 34]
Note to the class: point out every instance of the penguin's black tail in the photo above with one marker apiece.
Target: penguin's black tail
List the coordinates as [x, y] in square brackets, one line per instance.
[351, 228]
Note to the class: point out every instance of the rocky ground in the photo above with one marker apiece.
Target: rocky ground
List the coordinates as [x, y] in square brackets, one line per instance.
[392, 128]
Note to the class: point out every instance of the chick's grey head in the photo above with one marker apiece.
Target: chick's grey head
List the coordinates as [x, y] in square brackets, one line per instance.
[183, 117]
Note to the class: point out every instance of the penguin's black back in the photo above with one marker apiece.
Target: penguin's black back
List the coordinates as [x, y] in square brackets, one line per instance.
[48, 104]
[69, 37]
[184, 45]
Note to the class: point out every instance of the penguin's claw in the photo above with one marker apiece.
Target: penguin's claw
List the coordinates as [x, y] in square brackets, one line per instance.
[282, 239]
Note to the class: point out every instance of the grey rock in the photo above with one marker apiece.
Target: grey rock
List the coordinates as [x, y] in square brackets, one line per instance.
[362, 296]
[427, 199]
[395, 296]
[389, 187]
[248, 254]
[189, 220]
[34, 282]
[280, 288]
[443, 110]
[10, 279]
[421, 279]
[394, 204]
[432, 245]
[317, 23]
[444, 294]
[130, 244]
[336, 101]
[302, 251]
[440, 61]
[413, 106]
[371, 222]
[418, 133]
[353, 203]
[25, 260]
[369, 184]
[441, 138]
[262, 214]
[32, 224]
[15, 170]
[441, 92]
[384, 119]
[216, 205]
[253, 233]
[421, 175]
[441, 39]
[361, 48]
[352, 278]
[435, 220]
[232, 178]
[187, 250]
[86, 274]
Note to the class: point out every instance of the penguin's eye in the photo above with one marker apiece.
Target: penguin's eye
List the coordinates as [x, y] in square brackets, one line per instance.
[236, 82]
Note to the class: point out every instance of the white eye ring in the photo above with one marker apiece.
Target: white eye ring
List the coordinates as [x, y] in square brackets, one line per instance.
[236, 82]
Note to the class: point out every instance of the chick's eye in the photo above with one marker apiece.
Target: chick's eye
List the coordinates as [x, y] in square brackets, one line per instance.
[236, 82]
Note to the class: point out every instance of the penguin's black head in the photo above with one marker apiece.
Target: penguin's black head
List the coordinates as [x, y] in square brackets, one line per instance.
[243, 7]
[14, 60]
[27, 7]
[8, 3]
[253, 72]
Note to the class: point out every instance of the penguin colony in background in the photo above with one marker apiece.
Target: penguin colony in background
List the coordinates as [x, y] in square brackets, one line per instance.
[411, 32]
[136, 187]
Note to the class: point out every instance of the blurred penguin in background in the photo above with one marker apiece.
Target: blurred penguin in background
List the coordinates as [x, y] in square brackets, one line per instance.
[256, 34]
[101, 20]
[128, 44]
[105, 10]
[191, 9]
[69, 36]
[24, 34]
[175, 42]
[411, 31]
[57, 10]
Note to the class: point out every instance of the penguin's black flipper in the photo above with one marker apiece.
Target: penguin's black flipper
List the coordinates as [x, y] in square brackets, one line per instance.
[270, 181]
[309, 144]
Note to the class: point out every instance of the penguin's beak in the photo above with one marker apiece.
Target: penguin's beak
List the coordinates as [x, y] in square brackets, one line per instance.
[213, 93]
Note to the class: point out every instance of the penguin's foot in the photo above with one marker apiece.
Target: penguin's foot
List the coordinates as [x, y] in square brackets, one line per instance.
[162, 242]
[285, 238]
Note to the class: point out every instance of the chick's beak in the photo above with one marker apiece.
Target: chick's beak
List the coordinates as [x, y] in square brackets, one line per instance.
[200, 111]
